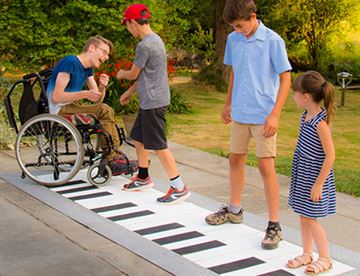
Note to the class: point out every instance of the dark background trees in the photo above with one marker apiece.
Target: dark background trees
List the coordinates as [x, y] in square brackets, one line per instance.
[319, 34]
[34, 33]
[310, 23]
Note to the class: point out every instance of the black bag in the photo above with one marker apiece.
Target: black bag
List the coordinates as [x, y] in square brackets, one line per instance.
[29, 106]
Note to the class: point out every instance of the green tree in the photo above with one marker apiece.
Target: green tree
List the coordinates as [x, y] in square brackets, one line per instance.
[312, 22]
[306, 26]
[34, 33]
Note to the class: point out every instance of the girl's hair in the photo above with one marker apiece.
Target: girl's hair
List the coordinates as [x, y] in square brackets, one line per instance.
[238, 10]
[313, 83]
[97, 40]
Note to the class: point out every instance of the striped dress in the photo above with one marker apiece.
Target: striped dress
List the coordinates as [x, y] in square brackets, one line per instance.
[308, 160]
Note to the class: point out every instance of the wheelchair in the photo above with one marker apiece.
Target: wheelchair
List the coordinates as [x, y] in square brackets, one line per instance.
[51, 149]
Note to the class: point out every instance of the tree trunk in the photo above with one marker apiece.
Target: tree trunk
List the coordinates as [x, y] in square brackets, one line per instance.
[221, 32]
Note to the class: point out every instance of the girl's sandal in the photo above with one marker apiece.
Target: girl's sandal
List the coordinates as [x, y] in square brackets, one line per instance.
[300, 260]
[320, 265]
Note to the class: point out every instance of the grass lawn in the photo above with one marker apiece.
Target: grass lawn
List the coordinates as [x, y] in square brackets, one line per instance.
[203, 130]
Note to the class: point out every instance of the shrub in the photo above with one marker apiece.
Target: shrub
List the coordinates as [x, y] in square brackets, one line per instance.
[7, 134]
[213, 75]
[177, 103]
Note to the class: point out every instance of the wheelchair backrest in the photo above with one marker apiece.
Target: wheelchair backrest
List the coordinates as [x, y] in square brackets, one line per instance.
[31, 102]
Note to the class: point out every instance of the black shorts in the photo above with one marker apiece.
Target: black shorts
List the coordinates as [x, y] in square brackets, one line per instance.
[149, 128]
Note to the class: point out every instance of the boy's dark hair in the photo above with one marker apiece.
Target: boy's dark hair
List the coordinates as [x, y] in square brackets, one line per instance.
[143, 21]
[238, 10]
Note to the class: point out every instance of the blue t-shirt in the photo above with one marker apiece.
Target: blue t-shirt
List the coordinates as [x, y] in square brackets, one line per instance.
[256, 64]
[78, 77]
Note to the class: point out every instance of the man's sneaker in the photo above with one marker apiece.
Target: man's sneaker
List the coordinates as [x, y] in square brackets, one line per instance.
[173, 195]
[224, 215]
[138, 184]
[121, 166]
[272, 237]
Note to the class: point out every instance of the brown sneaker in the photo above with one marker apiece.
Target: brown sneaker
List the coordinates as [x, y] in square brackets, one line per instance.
[224, 215]
[272, 237]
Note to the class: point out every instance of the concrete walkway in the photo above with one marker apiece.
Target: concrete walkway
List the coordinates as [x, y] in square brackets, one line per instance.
[38, 240]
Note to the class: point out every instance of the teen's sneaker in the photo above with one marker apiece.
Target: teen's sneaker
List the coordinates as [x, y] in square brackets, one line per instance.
[173, 195]
[138, 184]
[224, 215]
[273, 236]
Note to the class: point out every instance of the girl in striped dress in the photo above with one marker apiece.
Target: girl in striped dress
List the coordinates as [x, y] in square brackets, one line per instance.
[312, 189]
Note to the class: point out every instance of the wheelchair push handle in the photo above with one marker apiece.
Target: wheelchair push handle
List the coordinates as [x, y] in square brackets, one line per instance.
[42, 73]
[30, 76]
[46, 72]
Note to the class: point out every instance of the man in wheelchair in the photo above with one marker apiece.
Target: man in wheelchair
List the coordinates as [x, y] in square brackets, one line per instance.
[65, 90]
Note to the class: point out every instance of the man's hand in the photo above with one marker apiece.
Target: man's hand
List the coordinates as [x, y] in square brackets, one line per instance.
[93, 95]
[104, 80]
[125, 98]
[120, 74]
[271, 126]
[226, 115]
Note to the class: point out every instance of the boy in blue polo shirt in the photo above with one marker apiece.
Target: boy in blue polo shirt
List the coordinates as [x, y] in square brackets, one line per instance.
[258, 87]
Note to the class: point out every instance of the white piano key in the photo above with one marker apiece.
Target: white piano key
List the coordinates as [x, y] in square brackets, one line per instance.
[69, 187]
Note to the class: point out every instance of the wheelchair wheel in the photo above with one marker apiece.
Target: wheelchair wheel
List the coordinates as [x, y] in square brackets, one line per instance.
[49, 150]
[97, 178]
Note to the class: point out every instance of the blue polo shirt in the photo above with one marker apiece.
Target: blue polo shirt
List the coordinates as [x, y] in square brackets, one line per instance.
[256, 64]
[78, 76]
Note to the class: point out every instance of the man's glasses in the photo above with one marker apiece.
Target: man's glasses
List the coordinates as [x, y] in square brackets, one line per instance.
[105, 52]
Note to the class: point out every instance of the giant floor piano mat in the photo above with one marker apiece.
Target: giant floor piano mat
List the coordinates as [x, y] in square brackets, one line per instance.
[174, 237]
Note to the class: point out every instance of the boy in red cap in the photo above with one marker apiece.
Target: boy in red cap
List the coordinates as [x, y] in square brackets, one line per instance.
[148, 132]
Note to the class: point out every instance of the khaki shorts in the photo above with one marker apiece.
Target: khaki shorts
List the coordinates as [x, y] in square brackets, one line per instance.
[240, 138]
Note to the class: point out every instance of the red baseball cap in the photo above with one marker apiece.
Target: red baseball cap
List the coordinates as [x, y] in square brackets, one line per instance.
[136, 11]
